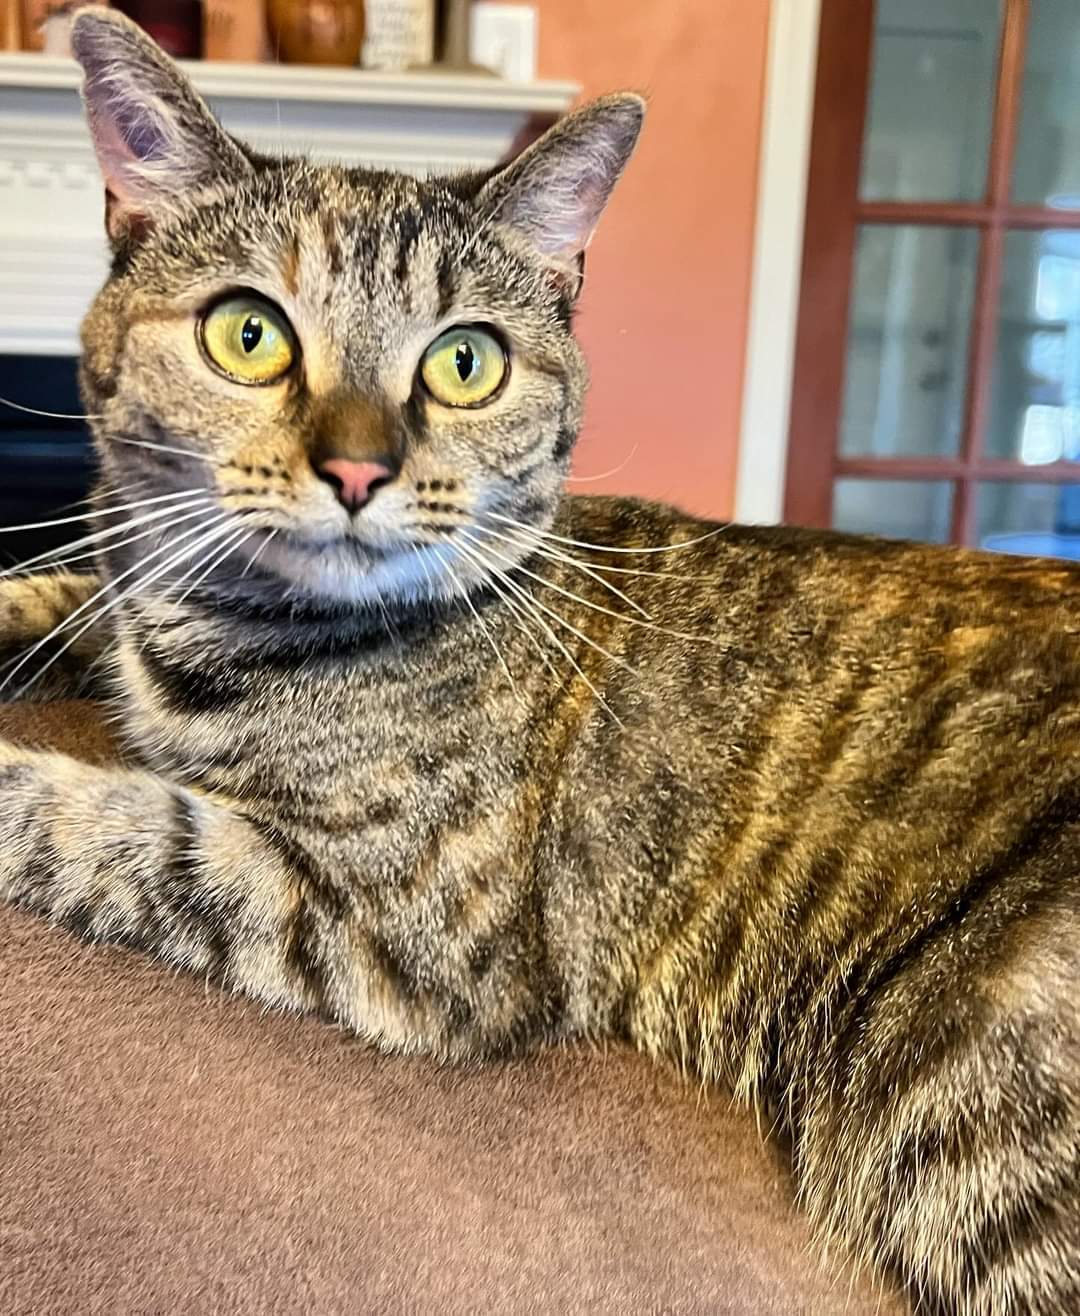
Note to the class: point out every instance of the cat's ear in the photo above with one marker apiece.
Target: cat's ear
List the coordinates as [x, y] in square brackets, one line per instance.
[554, 192]
[155, 139]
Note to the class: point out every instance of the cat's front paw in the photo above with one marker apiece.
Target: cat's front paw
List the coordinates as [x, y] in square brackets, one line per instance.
[20, 826]
[30, 607]
[47, 634]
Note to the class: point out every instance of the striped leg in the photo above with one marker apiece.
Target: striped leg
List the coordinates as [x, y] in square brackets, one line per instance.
[944, 1142]
[30, 608]
[123, 856]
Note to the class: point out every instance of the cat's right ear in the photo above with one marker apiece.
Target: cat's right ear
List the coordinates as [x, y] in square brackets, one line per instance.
[156, 141]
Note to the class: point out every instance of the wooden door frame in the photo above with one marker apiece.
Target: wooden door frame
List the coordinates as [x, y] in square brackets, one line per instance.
[841, 88]
[833, 214]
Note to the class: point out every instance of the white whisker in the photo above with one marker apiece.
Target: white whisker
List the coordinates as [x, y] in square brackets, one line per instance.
[48, 415]
[392, 632]
[123, 597]
[71, 617]
[53, 557]
[107, 652]
[608, 548]
[531, 604]
[597, 607]
[551, 612]
[528, 534]
[94, 553]
[464, 594]
[126, 595]
[161, 447]
[517, 612]
[104, 490]
[555, 555]
[605, 475]
[215, 560]
[433, 590]
[105, 511]
[259, 551]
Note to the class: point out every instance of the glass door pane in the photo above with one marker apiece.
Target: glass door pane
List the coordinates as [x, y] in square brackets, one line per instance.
[1047, 169]
[897, 509]
[905, 379]
[931, 100]
[1035, 392]
[1029, 518]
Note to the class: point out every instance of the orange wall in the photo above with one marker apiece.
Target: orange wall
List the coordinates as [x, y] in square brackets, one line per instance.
[664, 310]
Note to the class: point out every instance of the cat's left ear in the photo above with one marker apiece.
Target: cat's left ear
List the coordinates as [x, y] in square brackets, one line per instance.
[554, 193]
[155, 138]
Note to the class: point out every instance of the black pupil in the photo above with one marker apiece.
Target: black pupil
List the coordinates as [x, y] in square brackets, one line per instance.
[465, 361]
[251, 333]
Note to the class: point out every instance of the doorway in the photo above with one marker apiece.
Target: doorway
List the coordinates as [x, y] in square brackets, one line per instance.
[936, 388]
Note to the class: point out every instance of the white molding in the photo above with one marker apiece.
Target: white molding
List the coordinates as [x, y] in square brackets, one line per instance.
[52, 247]
[774, 297]
[299, 82]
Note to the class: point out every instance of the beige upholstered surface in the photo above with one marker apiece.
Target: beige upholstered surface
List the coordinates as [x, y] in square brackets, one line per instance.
[165, 1148]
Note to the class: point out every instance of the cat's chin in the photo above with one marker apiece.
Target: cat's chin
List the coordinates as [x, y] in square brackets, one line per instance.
[349, 571]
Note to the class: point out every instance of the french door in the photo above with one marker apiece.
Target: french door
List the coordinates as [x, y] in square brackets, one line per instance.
[937, 369]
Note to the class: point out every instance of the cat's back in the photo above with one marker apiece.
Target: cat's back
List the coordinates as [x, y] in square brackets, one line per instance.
[862, 814]
[805, 600]
[821, 703]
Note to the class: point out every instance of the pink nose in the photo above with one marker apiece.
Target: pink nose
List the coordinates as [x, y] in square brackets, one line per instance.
[354, 482]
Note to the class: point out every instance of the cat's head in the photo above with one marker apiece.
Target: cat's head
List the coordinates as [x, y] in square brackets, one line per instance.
[369, 378]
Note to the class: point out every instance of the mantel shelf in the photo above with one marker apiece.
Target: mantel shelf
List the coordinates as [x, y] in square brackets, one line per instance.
[320, 85]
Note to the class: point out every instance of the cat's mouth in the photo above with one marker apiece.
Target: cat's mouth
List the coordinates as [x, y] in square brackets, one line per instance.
[362, 551]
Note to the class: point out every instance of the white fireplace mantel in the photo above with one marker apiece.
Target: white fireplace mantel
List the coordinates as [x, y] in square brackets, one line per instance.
[52, 249]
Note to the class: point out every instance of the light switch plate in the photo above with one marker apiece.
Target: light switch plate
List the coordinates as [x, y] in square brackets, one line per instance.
[504, 38]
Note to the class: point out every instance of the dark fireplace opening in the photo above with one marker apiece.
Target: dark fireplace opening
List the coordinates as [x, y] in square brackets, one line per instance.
[46, 464]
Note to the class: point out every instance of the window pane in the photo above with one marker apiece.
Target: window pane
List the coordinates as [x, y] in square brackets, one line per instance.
[906, 370]
[931, 100]
[1029, 518]
[1035, 397]
[898, 509]
[1047, 168]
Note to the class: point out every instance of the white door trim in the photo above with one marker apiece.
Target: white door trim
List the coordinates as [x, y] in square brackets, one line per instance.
[778, 239]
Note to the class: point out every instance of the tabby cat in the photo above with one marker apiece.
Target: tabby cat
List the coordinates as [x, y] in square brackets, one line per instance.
[423, 745]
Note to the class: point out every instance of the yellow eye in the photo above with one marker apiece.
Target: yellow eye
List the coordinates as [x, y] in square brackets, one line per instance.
[249, 340]
[463, 367]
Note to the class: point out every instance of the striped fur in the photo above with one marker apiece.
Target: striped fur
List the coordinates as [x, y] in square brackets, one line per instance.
[796, 812]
